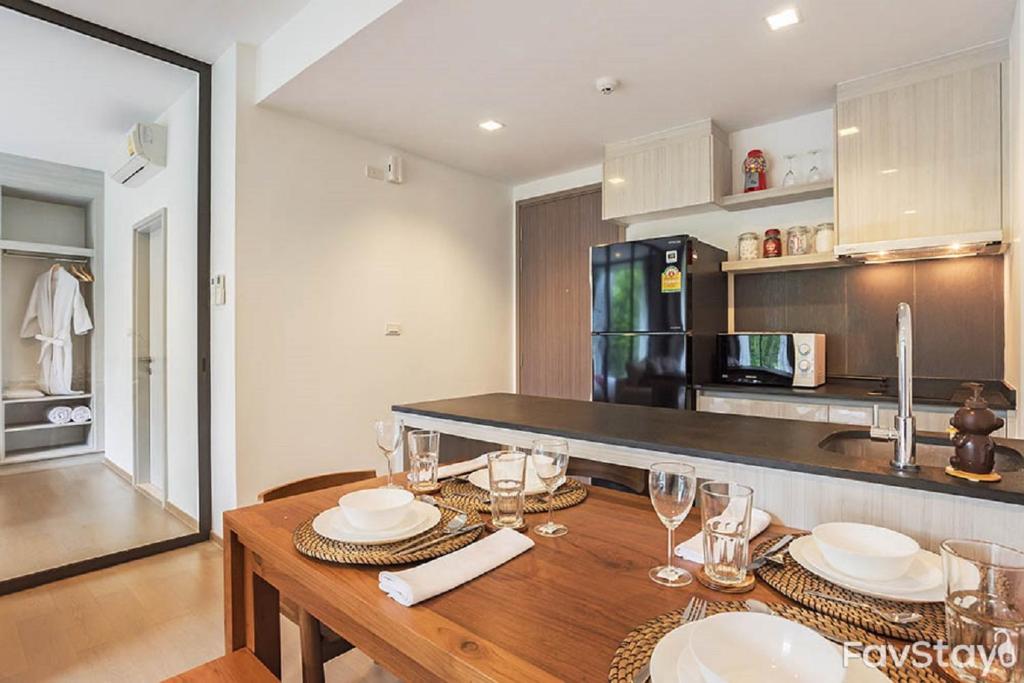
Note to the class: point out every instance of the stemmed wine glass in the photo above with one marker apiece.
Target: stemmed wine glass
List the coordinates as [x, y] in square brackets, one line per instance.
[550, 460]
[389, 436]
[673, 486]
[790, 178]
[814, 174]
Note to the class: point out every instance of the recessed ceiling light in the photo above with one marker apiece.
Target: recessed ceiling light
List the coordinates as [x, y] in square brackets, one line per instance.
[910, 212]
[616, 180]
[852, 130]
[890, 171]
[955, 246]
[490, 125]
[786, 17]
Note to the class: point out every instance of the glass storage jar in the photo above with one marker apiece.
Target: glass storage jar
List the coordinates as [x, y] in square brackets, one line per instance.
[824, 238]
[798, 240]
[749, 246]
[772, 243]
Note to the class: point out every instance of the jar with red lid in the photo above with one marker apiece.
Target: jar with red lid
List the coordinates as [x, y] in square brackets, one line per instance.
[755, 171]
[772, 243]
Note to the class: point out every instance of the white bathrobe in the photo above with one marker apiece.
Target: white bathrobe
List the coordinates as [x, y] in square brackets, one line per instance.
[55, 304]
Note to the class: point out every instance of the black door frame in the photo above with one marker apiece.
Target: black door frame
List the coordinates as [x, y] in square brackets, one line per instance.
[203, 70]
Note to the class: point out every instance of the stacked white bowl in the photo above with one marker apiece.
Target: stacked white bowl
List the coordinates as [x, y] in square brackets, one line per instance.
[864, 551]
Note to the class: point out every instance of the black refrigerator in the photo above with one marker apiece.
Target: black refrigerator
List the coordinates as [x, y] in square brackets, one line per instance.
[656, 307]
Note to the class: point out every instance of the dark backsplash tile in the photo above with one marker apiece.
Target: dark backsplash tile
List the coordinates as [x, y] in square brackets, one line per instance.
[957, 306]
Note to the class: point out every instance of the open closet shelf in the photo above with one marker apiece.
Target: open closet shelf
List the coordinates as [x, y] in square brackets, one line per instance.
[33, 426]
[45, 249]
[29, 454]
[45, 399]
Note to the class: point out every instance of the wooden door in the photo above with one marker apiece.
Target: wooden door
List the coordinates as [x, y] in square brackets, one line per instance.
[555, 234]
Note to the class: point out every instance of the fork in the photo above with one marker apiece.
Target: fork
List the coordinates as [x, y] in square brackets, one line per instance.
[695, 610]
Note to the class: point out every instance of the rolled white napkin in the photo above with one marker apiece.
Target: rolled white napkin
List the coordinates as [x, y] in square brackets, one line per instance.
[458, 468]
[692, 549]
[411, 586]
[81, 414]
[59, 415]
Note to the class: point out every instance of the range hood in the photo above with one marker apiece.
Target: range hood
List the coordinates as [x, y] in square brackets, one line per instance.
[920, 248]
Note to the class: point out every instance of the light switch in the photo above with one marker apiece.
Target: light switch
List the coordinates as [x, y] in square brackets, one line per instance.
[218, 294]
[393, 329]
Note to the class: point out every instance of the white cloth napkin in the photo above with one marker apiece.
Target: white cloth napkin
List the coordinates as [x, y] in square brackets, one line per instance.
[411, 586]
[81, 414]
[693, 549]
[59, 415]
[458, 468]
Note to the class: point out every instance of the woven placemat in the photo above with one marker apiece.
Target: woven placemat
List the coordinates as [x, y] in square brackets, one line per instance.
[467, 496]
[312, 544]
[635, 651]
[794, 581]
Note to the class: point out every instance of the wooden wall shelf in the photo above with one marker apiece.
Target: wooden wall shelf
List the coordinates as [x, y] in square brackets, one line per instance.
[777, 195]
[803, 262]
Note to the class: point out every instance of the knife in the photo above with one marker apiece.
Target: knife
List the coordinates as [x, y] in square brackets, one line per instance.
[439, 539]
[773, 548]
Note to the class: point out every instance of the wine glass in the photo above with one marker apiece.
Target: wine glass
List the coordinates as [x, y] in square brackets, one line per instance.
[389, 435]
[789, 179]
[550, 460]
[814, 174]
[673, 486]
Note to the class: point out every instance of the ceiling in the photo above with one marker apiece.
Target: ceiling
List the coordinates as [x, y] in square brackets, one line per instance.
[203, 29]
[426, 73]
[70, 99]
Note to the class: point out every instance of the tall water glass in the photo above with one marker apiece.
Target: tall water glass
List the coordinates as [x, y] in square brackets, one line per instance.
[672, 486]
[725, 519]
[984, 610]
[550, 460]
[389, 436]
[423, 451]
[507, 473]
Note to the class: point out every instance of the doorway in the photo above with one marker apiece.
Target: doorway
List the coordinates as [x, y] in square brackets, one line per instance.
[149, 331]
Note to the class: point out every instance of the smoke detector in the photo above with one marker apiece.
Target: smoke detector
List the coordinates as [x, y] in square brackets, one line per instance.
[606, 85]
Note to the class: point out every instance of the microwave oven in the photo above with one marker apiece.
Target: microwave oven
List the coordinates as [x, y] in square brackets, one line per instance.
[795, 359]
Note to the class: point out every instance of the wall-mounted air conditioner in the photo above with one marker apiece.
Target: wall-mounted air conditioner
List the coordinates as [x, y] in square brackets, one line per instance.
[143, 155]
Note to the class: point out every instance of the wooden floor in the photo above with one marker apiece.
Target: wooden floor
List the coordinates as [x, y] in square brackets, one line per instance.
[141, 621]
[53, 516]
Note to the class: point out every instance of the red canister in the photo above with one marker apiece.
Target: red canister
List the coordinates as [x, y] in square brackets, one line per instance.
[772, 243]
[755, 171]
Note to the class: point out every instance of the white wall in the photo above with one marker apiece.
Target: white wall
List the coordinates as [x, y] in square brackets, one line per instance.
[174, 188]
[324, 258]
[222, 261]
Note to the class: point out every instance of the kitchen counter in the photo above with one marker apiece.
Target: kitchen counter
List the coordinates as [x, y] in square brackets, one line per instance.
[788, 445]
[931, 392]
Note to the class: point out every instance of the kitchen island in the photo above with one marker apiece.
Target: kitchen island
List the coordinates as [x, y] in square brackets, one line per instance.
[796, 480]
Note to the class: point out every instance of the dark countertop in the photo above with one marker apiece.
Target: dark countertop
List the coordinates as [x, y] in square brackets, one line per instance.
[760, 441]
[936, 392]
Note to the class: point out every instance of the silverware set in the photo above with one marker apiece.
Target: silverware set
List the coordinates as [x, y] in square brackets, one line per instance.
[899, 618]
[775, 553]
[695, 610]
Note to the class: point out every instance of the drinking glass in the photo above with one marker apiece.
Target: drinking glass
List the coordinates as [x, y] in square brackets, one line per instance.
[984, 610]
[507, 473]
[550, 460]
[423, 450]
[672, 486]
[790, 178]
[814, 174]
[725, 519]
[389, 435]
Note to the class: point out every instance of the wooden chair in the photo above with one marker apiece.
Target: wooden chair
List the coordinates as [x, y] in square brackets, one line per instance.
[241, 666]
[619, 477]
[318, 643]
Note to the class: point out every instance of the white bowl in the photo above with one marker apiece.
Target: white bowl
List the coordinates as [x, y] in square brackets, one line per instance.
[864, 551]
[375, 509]
[742, 647]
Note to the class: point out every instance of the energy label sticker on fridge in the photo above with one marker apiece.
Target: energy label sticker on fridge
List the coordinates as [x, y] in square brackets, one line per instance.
[671, 280]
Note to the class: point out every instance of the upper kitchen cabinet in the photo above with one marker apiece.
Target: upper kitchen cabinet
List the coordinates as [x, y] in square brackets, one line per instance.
[920, 155]
[670, 173]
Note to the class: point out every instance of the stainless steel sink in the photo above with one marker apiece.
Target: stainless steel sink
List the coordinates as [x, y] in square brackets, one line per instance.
[932, 451]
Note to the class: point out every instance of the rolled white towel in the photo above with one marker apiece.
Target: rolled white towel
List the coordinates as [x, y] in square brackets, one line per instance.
[411, 586]
[59, 415]
[459, 468]
[692, 549]
[81, 414]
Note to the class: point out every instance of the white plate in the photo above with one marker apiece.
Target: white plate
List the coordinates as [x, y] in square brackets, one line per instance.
[672, 662]
[922, 583]
[534, 486]
[333, 525]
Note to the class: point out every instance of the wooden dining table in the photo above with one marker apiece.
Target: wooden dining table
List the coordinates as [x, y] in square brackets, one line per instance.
[555, 612]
